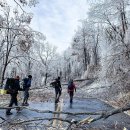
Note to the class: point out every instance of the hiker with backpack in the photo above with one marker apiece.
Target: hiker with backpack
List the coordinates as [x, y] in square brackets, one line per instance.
[71, 89]
[26, 87]
[58, 89]
[12, 86]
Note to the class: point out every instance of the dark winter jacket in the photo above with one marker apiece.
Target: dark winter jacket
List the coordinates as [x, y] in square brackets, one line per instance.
[56, 84]
[13, 86]
[27, 83]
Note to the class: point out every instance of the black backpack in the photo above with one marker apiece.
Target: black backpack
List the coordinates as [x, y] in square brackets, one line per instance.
[9, 86]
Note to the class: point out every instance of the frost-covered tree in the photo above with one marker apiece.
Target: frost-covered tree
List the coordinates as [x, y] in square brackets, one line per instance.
[85, 46]
[16, 35]
[45, 55]
[113, 16]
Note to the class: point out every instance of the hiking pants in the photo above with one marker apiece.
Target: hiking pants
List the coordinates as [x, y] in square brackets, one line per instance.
[71, 93]
[12, 101]
[26, 95]
[57, 94]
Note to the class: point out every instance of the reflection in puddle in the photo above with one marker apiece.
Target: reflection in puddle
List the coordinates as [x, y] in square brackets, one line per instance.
[58, 108]
[71, 105]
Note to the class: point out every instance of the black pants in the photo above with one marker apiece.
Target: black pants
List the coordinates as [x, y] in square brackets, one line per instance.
[26, 95]
[13, 101]
[57, 94]
[71, 93]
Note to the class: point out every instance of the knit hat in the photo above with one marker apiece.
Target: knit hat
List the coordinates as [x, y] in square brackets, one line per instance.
[30, 76]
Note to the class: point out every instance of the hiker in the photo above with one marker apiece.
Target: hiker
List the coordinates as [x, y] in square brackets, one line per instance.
[57, 85]
[71, 88]
[26, 87]
[12, 87]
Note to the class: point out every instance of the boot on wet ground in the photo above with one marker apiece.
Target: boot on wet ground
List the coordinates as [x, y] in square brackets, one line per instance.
[9, 113]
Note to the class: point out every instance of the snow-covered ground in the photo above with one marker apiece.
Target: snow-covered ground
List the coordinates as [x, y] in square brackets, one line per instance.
[92, 89]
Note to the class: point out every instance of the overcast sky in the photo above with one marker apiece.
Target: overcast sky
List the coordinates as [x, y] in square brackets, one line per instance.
[58, 19]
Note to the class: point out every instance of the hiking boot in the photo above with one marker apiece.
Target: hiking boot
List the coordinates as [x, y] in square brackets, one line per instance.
[56, 101]
[26, 104]
[71, 101]
[9, 113]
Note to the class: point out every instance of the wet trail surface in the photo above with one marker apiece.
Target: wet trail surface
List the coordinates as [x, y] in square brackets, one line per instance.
[115, 122]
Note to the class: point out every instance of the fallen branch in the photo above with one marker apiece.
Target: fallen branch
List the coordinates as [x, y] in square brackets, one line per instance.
[2, 118]
[105, 115]
[39, 119]
[69, 126]
[118, 110]
[82, 79]
[53, 112]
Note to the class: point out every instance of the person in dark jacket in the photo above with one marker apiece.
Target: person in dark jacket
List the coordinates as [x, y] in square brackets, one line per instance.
[71, 89]
[26, 87]
[13, 90]
[58, 89]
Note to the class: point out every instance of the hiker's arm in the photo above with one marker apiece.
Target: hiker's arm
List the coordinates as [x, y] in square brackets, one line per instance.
[60, 88]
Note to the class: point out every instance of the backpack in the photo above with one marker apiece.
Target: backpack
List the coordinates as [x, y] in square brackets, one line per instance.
[53, 84]
[10, 82]
[25, 82]
[70, 86]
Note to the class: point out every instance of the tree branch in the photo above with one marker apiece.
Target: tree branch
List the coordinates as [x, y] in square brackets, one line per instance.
[19, 5]
[53, 112]
[39, 119]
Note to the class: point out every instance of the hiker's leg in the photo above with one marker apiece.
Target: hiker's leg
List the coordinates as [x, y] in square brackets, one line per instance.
[23, 97]
[11, 103]
[59, 94]
[27, 96]
[15, 100]
[71, 97]
[56, 95]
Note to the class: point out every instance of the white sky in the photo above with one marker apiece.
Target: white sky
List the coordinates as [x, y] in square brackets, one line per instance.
[58, 19]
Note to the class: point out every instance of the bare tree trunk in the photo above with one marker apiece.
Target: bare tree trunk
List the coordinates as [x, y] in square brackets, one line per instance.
[95, 51]
[3, 73]
[46, 75]
[8, 49]
[85, 51]
[85, 59]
